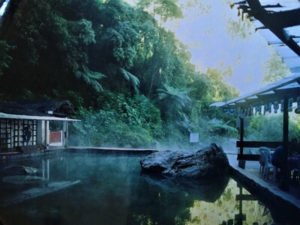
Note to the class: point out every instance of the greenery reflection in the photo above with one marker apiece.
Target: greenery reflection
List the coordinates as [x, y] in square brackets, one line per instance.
[174, 202]
[113, 191]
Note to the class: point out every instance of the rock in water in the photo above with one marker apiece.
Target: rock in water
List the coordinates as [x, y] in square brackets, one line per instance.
[18, 170]
[204, 163]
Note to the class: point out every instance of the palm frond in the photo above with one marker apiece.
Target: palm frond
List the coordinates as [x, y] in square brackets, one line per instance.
[175, 95]
[134, 81]
[91, 78]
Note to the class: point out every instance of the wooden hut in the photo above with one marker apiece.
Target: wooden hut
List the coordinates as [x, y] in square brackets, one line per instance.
[34, 125]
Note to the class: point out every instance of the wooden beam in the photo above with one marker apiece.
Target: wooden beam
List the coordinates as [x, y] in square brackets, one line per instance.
[257, 144]
[248, 157]
[241, 163]
[285, 130]
[245, 197]
[276, 97]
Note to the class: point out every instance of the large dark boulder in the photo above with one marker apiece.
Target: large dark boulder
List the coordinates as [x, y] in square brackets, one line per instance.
[205, 163]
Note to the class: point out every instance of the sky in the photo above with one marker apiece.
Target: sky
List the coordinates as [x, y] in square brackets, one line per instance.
[207, 32]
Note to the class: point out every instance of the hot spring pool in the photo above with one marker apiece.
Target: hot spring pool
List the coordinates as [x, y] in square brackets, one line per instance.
[98, 189]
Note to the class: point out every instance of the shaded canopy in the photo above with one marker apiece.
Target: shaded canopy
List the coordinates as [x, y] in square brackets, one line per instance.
[288, 87]
[279, 23]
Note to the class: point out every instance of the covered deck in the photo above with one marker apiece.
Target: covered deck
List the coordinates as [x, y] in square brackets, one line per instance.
[279, 23]
[282, 96]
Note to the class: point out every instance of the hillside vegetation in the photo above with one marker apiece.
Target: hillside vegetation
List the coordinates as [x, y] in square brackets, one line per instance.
[130, 80]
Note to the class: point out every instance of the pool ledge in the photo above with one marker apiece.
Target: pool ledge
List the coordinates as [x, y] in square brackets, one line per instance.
[269, 193]
[110, 150]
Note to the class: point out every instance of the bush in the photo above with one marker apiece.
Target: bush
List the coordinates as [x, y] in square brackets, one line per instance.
[269, 128]
[130, 122]
[220, 128]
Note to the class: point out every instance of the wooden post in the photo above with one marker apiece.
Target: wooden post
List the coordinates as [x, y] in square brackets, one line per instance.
[47, 133]
[239, 218]
[242, 163]
[285, 178]
[65, 134]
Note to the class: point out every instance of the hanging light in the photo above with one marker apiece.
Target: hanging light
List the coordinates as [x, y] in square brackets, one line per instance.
[297, 110]
[250, 111]
[276, 107]
[290, 104]
[258, 109]
[264, 110]
[267, 108]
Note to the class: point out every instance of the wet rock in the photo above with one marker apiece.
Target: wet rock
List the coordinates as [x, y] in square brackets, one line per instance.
[208, 190]
[19, 170]
[205, 163]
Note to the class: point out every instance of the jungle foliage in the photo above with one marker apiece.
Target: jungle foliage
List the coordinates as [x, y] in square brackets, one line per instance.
[269, 128]
[130, 80]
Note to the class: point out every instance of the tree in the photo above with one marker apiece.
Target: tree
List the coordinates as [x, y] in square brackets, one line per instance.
[219, 90]
[174, 102]
[166, 9]
[275, 69]
[86, 50]
[5, 58]
[50, 49]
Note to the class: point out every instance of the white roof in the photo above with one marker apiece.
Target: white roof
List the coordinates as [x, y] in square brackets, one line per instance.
[291, 33]
[288, 83]
[290, 58]
[286, 4]
[26, 117]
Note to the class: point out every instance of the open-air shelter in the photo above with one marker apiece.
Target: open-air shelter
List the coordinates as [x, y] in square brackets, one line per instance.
[279, 23]
[281, 96]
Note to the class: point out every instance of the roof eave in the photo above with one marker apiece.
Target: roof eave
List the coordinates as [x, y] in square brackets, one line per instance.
[29, 117]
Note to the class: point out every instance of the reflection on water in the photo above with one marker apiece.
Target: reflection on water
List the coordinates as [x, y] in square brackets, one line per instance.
[113, 192]
[235, 206]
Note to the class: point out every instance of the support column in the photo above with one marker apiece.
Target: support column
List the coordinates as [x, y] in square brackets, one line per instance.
[242, 163]
[47, 132]
[284, 181]
[40, 136]
[65, 134]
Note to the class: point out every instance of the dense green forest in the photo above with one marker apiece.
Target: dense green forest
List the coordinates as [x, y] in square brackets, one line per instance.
[130, 80]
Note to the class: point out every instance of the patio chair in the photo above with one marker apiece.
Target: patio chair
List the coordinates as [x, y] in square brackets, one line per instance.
[294, 168]
[295, 176]
[266, 167]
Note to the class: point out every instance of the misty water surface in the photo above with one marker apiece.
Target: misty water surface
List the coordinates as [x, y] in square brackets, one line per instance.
[112, 191]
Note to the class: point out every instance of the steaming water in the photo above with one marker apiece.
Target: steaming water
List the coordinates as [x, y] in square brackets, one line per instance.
[3, 7]
[113, 192]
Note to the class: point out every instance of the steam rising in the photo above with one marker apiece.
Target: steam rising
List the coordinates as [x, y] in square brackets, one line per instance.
[112, 191]
[3, 8]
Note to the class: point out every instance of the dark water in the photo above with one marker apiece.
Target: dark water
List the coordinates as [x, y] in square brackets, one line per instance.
[113, 192]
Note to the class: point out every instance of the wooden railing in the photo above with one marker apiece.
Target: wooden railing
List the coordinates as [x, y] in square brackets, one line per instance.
[254, 144]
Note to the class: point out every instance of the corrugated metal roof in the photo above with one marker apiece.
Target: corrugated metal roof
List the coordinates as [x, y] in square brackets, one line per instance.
[288, 84]
[278, 21]
[285, 4]
[289, 56]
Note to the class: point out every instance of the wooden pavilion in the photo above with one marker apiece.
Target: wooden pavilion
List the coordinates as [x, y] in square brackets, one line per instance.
[279, 22]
